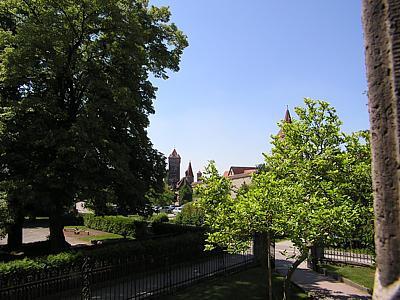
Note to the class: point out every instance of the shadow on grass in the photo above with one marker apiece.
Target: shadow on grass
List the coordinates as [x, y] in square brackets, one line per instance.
[249, 284]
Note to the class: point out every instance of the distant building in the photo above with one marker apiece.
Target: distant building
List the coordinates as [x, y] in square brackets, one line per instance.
[188, 179]
[174, 169]
[239, 176]
[199, 175]
[287, 119]
[242, 175]
[189, 173]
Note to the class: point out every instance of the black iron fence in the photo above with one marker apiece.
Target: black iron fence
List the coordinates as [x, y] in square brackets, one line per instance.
[137, 278]
[350, 252]
[351, 256]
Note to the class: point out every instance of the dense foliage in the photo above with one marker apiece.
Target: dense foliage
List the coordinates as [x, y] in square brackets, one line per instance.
[174, 229]
[132, 227]
[314, 188]
[191, 214]
[164, 198]
[185, 194]
[149, 253]
[159, 218]
[75, 98]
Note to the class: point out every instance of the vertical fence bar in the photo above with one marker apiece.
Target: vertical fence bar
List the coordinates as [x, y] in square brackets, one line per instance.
[86, 274]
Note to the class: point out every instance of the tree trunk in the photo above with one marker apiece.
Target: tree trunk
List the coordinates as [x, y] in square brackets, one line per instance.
[381, 21]
[293, 267]
[269, 265]
[14, 230]
[56, 226]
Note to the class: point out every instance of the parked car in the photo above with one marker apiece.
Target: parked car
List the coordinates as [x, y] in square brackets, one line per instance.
[166, 209]
[177, 210]
[156, 208]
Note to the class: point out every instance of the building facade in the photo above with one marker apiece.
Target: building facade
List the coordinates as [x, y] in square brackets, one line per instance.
[174, 169]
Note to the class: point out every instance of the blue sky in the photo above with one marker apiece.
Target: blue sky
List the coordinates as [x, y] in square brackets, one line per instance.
[245, 62]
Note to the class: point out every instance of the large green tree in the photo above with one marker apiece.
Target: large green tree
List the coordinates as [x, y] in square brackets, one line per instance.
[314, 166]
[75, 98]
[314, 188]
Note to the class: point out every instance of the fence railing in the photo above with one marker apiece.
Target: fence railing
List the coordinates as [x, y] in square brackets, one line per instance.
[351, 256]
[127, 280]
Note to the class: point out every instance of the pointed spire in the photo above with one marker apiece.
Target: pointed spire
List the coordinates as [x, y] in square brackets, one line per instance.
[189, 171]
[288, 118]
[175, 154]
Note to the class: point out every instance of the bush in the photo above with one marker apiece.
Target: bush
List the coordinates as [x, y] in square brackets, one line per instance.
[190, 215]
[146, 254]
[159, 218]
[133, 227]
[170, 228]
[29, 265]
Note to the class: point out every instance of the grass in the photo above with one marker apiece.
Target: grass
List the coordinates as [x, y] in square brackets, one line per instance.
[99, 237]
[247, 285]
[106, 236]
[77, 227]
[361, 275]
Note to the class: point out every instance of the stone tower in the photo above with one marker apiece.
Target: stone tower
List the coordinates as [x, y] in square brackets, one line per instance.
[199, 175]
[174, 168]
[189, 174]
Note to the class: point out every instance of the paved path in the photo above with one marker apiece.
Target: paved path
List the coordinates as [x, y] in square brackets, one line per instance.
[36, 234]
[320, 286]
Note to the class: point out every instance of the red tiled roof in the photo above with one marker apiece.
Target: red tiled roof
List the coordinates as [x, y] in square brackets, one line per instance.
[175, 154]
[240, 170]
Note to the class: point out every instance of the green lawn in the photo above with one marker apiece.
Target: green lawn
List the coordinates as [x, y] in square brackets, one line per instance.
[246, 285]
[361, 275]
[100, 237]
[77, 227]
[106, 236]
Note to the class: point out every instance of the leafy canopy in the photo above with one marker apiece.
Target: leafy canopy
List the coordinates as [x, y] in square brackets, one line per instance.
[75, 98]
[314, 186]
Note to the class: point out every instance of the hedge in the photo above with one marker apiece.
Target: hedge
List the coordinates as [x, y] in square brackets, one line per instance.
[171, 228]
[150, 253]
[133, 227]
[159, 218]
[30, 265]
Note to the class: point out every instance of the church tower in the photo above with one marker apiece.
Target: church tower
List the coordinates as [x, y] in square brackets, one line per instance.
[189, 174]
[174, 168]
[287, 119]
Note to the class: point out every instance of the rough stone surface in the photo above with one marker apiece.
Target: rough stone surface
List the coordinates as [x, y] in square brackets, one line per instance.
[381, 21]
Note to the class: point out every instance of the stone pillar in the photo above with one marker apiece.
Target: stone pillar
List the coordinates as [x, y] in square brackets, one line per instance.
[381, 21]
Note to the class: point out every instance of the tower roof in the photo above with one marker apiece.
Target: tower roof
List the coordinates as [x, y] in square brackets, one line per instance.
[189, 171]
[174, 154]
[287, 119]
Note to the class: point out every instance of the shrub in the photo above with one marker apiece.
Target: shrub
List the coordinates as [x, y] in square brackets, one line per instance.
[145, 253]
[134, 227]
[159, 218]
[190, 215]
[29, 265]
[185, 194]
[170, 228]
